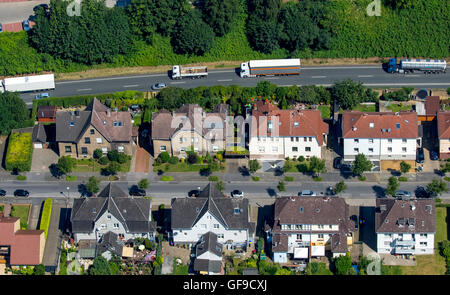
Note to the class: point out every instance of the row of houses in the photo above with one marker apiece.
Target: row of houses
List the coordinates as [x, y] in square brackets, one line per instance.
[275, 134]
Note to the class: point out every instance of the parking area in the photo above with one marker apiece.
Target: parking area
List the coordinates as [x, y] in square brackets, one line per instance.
[42, 159]
[17, 12]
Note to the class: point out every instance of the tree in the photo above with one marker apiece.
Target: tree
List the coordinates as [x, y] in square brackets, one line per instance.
[254, 166]
[404, 167]
[14, 112]
[343, 264]
[66, 164]
[98, 153]
[436, 187]
[221, 15]
[112, 168]
[340, 187]
[192, 158]
[361, 164]
[100, 266]
[164, 156]
[113, 155]
[143, 183]
[192, 35]
[265, 88]
[317, 166]
[93, 185]
[98, 35]
[401, 4]
[220, 185]
[392, 186]
[39, 270]
[263, 35]
[103, 160]
[281, 186]
[348, 93]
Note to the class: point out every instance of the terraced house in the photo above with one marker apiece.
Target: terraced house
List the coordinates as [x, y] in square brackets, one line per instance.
[277, 134]
[443, 131]
[189, 127]
[79, 133]
[305, 227]
[380, 135]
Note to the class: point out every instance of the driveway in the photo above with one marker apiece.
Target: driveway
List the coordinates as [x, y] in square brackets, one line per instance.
[142, 160]
[167, 267]
[42, 159]
[13, 12]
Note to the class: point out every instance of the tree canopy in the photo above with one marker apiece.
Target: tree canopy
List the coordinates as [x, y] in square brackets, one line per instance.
[361, 164]
[348, 94]
[221, 15]
[14, 113]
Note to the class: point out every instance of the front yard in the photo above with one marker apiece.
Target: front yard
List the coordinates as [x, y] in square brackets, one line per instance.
[21, 211]
[19, 152]
[91, 165]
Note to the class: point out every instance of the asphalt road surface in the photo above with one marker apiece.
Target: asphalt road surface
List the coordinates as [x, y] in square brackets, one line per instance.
[11, 12]
[258, 190]
[371, 76]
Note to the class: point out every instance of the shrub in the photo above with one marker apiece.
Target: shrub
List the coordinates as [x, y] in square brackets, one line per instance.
[173, 160]
[166, 178]
[45, 217]
[21, 177]
[122, 158]
[288, 178]
[301, 159]
[19, 153]
[164, 156]
[255, 178]
[403, 178]
[318, 178]
[103, 160]
[281, 186]
[71, 178]
[446, 178]
[213, 178]
[192, 158]
[98, 153]
[113, 155]
[362, 178]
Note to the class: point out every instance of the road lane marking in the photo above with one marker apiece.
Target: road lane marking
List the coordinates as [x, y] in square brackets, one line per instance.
[126, 86]
[317, 77]
[272, 78]
[87, 89]
[225, 80]
[177, 82]
[365, 76]
[343, 67]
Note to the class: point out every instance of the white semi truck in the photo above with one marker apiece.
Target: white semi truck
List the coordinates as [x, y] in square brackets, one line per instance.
[270, 67]
[28, 83]
[180, 72]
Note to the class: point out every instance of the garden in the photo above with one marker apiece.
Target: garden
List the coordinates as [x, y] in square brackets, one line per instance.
[194, 162]
[21, 211]
[19, 153]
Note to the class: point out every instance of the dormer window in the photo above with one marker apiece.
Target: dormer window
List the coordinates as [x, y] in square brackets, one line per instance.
[72, 123]
[236, 210]
[397, 125]
[94, 210]
[371, 125]
[295, 124]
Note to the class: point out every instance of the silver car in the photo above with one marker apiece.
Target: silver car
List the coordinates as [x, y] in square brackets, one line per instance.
[237, 194]
[402, 194]
[307, 193]
[158, 86]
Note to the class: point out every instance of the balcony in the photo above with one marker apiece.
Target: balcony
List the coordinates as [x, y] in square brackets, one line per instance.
[404, 250]
[404, 242]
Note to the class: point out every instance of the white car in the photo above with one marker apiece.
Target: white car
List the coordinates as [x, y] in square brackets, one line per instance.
[237, 194]
[307, 193]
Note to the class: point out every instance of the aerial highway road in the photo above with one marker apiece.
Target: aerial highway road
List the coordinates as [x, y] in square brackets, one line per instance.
[370, 75]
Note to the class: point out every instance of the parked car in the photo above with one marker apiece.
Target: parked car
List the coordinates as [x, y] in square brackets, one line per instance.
[354, 218]
[26, 25]
[237, 194]
[2, 193]
[158, 86]
[434, 155]
[1, 28]
[45, 6]
[330, 191]
[42, 95]
[194, 193]
[421, 192]
[402, 194]
[420, 156]
[337, 163]
[136, 191]
[21, 193]
[307, 193]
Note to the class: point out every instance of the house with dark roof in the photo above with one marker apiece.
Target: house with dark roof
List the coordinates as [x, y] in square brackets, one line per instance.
[43, 135]
[189, 126]
[114, 211]
[405, 227]
[211, 211]
[380, 135]
[46, 114]
[208, 255]
[443, 132]
[79, 133]
[20, 247]
[277, 134]
[305, 227]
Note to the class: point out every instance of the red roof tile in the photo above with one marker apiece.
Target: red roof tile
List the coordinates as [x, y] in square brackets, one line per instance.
[443, 122]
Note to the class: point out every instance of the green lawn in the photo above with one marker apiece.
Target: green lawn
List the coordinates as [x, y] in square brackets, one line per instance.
[181, 269]
[365, 108]
[87, 165]
[441, 226]
[22, 212]
[180, 167]
[325, 111]
[19, 152]
[397, 107]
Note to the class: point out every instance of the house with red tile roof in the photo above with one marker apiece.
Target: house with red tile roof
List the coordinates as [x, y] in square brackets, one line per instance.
[380, 135]
[443, 130]
[24, 247]
[276, 134]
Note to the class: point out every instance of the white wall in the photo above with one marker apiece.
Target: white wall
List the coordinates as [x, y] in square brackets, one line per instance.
[301, 144]
[386, 244]
[380, 146]
[281, 147]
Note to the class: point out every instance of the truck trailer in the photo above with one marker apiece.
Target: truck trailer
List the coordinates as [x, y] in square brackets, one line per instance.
[28, 83]
[180, 72]
[428, 66]
[270, 67]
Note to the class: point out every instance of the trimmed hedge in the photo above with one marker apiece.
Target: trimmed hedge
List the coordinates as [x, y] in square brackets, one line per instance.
[45, 217]
[19, 153]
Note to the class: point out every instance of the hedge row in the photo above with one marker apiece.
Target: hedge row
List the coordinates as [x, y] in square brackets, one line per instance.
[19, 153]
[46, 214]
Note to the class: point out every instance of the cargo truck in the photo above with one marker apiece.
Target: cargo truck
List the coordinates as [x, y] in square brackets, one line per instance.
[270, 67]
[428, 66]
[28, 83]
[180, 72]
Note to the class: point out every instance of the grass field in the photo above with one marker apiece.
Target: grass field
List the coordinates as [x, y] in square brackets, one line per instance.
[397, 107]
[325, 111]
[22, 212]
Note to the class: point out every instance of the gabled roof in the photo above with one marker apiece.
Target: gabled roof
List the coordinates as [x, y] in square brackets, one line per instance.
[287, 122]
[43, 133]
[213, 266]
[432, 105]
[357, 124]
[391, 213]
[71, 126]
[443, 125]
[189, 117]
[187, 211]
[110, 242]
[46, 112]
[133, 213]
[209, 243]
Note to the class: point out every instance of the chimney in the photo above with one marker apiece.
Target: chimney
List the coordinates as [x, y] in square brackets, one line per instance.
[77, 113]
[354, 128]
[413, 207]
[108, 113]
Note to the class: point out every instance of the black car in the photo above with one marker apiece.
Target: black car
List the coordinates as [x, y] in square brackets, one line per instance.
[420, 156]
[193, 193]
[434, 155]
[355, 220]
[45, 6]
[136, 191]
[21, 193]
[2, 193]
[337, 163]
[421, 192]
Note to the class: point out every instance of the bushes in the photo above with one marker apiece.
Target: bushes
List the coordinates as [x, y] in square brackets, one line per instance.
[45, 217]
[399, 95]
[213, 178]
[103, 160]
[19, 153]
[166, 178]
